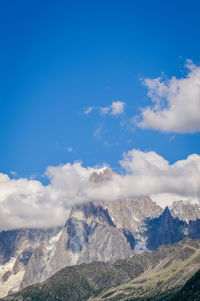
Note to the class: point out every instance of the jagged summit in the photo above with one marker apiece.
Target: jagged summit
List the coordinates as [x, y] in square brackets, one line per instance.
[166, 213]
[164, 229]
[90, 210]
[103, 174]
[185, 210]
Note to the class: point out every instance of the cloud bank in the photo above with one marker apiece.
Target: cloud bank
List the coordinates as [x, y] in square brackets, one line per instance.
[28, 203]
[175, 103]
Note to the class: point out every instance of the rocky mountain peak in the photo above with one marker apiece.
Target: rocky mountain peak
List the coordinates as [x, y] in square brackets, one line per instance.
[166, 214]
[185, 211]
[102, 175]
[164, 229]
[91, 212]
[83, 221]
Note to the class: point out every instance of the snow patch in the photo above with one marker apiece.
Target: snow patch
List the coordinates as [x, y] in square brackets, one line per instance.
[12, 284]
[141, 246]
[13, 281]
[54, 240]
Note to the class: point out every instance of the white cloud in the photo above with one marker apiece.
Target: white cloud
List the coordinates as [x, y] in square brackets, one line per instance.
[105, 110]
[28, 203]
[69, 149]
[150, 174]
[153, 175]
[13, 173]
[176, 103]
[116, 108]
[88, 110]
[98, 131]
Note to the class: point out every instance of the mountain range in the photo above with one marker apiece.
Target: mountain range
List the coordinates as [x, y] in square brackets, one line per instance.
[95, 231]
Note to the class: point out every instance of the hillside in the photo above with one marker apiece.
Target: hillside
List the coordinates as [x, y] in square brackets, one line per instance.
[190, 291]
[148, 275]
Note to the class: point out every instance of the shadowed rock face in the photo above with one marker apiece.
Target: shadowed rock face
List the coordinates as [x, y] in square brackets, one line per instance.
[164, 230]
[7, 245]
[130, 238]
[194, 229]
[168, 230]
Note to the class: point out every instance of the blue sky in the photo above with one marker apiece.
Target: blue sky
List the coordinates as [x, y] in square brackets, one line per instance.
[58, 58]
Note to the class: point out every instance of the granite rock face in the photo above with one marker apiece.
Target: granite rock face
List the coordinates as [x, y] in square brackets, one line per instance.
[164, 230]
[95, 231]
[185, 211]
[90, 235]
[16, 250]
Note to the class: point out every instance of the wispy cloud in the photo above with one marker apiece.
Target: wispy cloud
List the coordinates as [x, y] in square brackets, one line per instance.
[88, 110]
[98, 131]
[69, 149]
[116, 108]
